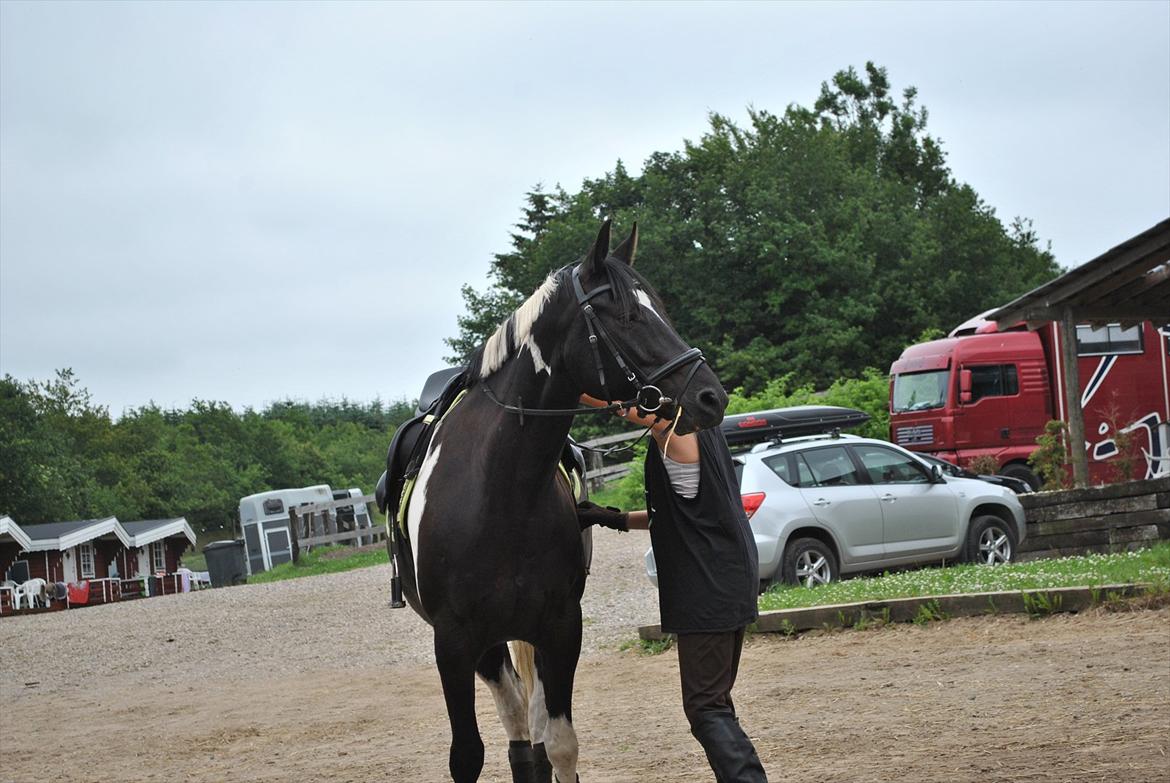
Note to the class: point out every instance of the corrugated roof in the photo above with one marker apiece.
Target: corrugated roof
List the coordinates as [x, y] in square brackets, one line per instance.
[1127, 284]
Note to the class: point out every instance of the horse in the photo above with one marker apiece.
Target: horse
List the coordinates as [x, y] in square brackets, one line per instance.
[492, 550]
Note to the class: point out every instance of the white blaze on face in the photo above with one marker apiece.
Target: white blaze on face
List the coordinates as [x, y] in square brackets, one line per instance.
[644, 300]
[418, 501]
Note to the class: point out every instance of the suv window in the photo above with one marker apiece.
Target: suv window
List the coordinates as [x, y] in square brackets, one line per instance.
[782, 468]
[827, 467]
[886, 466]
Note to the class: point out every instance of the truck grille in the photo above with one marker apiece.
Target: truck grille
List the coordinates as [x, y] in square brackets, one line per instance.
[906, 436]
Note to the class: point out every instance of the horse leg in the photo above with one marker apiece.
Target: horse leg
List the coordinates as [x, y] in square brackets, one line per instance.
[496, 670]
[456, 662]
[556, 666]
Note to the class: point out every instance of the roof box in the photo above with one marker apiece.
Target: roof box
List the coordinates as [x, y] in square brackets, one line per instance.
[792, 422]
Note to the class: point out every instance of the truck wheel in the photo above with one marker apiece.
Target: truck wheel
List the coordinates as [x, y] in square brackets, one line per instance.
[990, 541]
[1024, 473]
[808, 562]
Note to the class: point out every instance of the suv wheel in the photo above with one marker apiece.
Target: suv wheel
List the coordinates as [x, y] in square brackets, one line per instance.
[809, 562]
[990, 541]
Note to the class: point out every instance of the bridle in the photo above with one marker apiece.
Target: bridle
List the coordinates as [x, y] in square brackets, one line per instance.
[648, 398]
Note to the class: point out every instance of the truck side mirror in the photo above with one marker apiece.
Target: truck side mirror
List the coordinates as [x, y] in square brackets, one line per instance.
[965, 387]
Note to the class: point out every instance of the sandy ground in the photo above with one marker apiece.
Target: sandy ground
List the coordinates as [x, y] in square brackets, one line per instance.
[318, 680]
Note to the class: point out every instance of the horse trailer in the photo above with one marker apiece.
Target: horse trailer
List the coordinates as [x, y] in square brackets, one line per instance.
[264, 521]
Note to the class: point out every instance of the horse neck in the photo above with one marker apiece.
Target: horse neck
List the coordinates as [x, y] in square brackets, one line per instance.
[534, 441]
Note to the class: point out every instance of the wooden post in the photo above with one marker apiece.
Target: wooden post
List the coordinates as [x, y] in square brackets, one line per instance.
[330, 523]
[294, 523]
[1072, 399]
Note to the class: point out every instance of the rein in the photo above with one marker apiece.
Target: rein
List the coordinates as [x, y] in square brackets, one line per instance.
[648, 397]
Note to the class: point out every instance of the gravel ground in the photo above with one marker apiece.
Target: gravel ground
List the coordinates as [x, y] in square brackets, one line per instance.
[318, 679]
[310, 624]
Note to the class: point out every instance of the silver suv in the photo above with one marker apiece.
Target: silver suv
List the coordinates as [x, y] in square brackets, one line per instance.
[822, 506]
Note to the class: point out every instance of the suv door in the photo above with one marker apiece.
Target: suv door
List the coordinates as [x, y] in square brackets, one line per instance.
[833, 488]
[919, 517]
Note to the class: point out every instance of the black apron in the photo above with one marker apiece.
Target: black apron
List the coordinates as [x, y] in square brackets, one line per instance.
[708, 567]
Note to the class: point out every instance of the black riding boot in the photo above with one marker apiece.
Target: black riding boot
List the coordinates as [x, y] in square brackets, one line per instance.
[729, 751]
[522, 762]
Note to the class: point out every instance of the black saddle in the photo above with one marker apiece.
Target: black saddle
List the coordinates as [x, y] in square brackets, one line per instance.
[409, 444]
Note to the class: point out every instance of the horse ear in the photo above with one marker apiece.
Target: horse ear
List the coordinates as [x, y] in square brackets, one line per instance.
[598, 252]
[626, 250]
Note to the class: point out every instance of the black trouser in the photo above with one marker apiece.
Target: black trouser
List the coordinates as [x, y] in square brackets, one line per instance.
[708, 664]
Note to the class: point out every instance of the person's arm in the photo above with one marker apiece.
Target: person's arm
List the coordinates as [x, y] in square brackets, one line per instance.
[638, 520]
[680, 448]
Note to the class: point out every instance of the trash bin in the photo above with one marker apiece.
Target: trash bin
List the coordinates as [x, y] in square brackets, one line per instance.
[225, 563]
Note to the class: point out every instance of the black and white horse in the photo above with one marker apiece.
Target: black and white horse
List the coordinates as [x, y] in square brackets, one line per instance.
[493, 550]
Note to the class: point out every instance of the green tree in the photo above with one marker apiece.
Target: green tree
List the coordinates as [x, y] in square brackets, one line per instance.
[817, 243]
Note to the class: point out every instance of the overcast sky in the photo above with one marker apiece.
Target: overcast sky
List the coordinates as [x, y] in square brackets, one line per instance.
[250, 202]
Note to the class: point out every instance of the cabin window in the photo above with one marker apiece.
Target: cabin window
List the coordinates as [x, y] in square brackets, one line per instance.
[85, 559]
[1109, 339]
[274, 506]
[158, 557]
[994, 380]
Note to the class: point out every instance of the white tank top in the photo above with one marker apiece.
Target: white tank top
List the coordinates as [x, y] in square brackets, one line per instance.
[684, 476]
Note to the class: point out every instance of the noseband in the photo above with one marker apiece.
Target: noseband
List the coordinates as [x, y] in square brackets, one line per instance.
[648, 398]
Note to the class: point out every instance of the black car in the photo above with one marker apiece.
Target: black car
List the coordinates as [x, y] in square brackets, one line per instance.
[951, 469]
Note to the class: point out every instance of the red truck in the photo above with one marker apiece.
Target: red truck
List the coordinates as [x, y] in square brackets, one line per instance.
[985, 391]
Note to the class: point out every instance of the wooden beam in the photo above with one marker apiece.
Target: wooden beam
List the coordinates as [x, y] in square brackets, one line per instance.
[1072, 397]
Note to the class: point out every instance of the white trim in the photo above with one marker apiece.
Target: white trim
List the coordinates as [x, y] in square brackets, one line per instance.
[172, 527]
[158, 548]
[96, 529]
[9, 527]
[1164, 346]
[88, 547]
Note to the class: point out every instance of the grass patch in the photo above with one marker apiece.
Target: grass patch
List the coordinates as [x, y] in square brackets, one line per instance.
[647, 646]
[323, 560]
[1148, 566]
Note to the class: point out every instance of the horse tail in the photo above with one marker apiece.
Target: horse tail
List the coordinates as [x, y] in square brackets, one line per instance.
[524, 659]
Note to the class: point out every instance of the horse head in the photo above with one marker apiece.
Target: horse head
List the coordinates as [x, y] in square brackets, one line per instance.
[620, 343]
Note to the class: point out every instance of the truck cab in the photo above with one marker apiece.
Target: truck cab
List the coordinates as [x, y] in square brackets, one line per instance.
[985, 392]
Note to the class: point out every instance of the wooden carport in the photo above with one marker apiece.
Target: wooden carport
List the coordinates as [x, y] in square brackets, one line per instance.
[1127, 284]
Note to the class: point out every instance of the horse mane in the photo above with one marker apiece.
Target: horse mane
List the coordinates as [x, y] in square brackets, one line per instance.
[515, 332]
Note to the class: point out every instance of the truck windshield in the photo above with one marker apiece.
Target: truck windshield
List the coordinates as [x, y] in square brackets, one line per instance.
[920, 390]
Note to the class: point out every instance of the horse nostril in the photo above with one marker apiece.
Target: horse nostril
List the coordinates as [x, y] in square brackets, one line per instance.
[709, 399]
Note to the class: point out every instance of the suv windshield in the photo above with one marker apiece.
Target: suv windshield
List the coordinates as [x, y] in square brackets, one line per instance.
[920, 390]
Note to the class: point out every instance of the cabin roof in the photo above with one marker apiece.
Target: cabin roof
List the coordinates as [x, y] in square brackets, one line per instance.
[146, 531]
[10, 530]
[65, 535]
